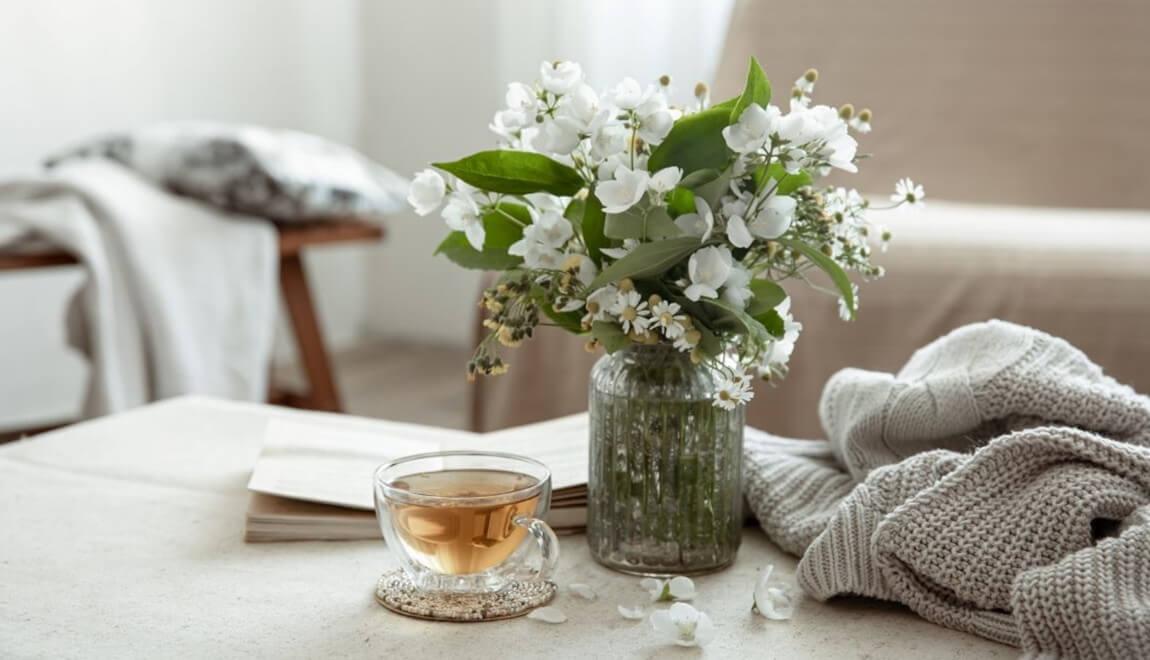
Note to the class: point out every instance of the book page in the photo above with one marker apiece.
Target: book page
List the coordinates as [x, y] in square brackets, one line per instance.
[316, 462]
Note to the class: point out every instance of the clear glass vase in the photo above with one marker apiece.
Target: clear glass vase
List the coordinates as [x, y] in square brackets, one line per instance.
[664, 493]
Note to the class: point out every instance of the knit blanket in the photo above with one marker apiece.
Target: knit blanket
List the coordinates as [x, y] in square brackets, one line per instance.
[993, 485]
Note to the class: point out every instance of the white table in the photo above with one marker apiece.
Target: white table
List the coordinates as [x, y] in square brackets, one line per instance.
[121, 538]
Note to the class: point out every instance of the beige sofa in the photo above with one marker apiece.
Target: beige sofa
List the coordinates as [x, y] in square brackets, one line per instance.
[1029, 115]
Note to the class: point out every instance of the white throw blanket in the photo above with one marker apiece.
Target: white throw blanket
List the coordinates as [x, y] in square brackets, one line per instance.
[993, 485]
[179, 299]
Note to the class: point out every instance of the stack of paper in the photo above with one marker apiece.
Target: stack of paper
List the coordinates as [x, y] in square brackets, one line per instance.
[314, 482]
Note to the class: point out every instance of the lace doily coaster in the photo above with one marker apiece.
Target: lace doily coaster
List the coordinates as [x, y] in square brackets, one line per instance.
[397, 593]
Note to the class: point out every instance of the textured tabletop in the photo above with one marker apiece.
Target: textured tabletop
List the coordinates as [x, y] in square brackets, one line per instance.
[122, 538]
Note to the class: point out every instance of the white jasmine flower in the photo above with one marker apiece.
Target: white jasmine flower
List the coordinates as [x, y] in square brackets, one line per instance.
[677, 588]
[628, 94]
[634, 613]
[559, 135]
[734, 392]
[908, 192]
[624, 191]
[665, 180]
[547, 202]
[805, 84]
[754, 127]
[520, 112]
[655, 118]
[549, 614]
[538, 256]
[708, 269]
[620, 252]
[549, 228]
[737, 232]
[793, 160]
[666, 317]
[774, 602]
[683, 625]
[600, 303]
[632, 311]
[700, 223]
[426, 192]
[583, 591]
[774, 217]
[462, 214]
[737, 288]
[607, 141]
[844, 310]
[560, 77]
[798, 127]
[582, 106]
[775, 358]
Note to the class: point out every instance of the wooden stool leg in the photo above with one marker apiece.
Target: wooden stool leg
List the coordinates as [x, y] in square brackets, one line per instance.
[323, 394]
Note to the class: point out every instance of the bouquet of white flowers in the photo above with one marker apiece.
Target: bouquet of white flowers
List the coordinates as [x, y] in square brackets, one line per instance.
[637, 221]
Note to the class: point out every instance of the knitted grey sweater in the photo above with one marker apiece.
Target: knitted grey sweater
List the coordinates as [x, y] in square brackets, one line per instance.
[975, 486]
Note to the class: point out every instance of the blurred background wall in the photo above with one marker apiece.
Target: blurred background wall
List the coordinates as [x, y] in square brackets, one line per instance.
[407, 82]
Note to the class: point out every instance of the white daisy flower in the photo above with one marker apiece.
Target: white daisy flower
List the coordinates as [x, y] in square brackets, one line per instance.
[666, 317]
[632, 311]
[908, 192]
[734, 392]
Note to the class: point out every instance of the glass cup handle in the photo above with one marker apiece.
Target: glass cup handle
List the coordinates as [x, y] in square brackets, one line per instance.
[548, 545]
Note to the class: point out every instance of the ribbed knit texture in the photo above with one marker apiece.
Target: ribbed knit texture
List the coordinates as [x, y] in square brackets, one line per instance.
[971, 487]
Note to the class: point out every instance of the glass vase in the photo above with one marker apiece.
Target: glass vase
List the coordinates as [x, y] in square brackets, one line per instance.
[664, 491]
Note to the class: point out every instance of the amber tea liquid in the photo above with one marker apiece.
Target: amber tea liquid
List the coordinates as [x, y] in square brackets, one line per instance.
[460, 538]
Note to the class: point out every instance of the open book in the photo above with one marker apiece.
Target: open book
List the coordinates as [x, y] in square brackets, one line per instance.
[313, 481]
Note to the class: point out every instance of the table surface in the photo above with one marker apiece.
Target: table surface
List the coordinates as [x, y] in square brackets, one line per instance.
[122, 537]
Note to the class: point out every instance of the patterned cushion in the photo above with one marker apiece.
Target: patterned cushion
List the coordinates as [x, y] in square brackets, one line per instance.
[281, 175]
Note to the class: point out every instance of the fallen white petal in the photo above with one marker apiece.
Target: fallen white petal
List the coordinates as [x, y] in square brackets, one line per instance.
[548, 614]
[681, 588]
[634, 613]
[582, 590]
[772, 601]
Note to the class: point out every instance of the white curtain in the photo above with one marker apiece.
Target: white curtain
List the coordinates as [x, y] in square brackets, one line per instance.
[643, 39]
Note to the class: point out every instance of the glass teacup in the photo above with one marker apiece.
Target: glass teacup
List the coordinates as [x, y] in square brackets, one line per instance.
[463, 521]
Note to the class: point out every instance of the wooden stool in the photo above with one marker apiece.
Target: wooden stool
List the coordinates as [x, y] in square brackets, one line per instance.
[322, 392]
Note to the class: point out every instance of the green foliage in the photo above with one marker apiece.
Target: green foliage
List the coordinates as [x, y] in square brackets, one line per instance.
[828, 265]
[515, 173]
[501, 233]
[592, 225]
[680, 201]
[788, 183]
[608, 334]
[649, 224]
[699, 178]
[694, 143]
[728, 318]
[648, 260]
[757, 91]
[773, 322]
[766, 295]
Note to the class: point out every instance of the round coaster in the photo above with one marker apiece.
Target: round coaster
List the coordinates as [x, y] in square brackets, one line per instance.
[396, 592]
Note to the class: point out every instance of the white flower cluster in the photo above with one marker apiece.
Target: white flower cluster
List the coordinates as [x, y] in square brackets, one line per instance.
[756, 211]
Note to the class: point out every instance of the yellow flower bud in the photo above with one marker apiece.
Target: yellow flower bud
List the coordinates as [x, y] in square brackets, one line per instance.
[701, 90]
[865, 115]
[654, 299]
[591, 346]
[665, 80]
[626, 284]
[811, 75]
[847, 111]
[696, 356]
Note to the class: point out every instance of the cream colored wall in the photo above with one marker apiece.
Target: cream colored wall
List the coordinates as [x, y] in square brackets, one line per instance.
[73, 68]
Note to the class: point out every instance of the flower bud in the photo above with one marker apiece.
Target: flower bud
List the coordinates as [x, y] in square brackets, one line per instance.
[701, 90]
[847, 111]
[665, 80]
[811, 76]
[865, 115]
[796, 93]
[696, 356]
[591, 346]
[626, 284]
[654, 299]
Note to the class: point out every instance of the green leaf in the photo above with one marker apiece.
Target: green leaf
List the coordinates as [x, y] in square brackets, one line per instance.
[652, 223]
[694, 143]
[593, 224]
[610, 335]
[832, 269]
[569, 321]
[699, 178]
[757, 91]
[680, 201]
[773, 322]
[574, 214]
[734, 320]
[648, 260]
[715, 189]
[766, 295]
[501, 233]
[515, 173]
[788, 183]
[727, 105]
